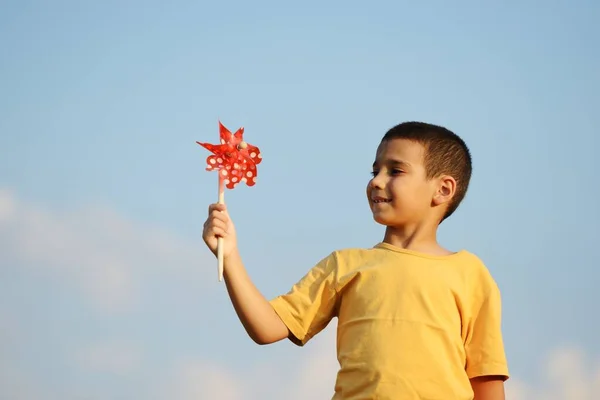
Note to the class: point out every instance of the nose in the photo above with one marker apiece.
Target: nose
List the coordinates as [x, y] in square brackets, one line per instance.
[378, 181]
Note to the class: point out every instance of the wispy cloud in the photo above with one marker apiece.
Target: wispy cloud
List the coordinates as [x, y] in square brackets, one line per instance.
[99, 251]
[303, 373]
[567, 374]
[201, 380]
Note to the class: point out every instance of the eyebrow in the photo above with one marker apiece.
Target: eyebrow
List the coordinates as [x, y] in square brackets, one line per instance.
[394, 163]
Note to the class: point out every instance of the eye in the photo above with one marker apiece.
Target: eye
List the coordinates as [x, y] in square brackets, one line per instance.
[396, 171]
[374, 173]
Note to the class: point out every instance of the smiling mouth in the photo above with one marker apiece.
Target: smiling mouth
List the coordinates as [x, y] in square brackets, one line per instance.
[377, 201]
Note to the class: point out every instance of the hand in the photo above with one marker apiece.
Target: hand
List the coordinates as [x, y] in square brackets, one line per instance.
[218, 224]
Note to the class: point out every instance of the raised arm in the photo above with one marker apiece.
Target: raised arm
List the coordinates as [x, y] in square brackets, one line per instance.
[255, 312]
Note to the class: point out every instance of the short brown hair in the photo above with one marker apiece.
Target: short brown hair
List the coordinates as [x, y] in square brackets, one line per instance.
[445, 153]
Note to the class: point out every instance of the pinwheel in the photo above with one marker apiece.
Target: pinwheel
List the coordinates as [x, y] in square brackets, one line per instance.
[235, 160]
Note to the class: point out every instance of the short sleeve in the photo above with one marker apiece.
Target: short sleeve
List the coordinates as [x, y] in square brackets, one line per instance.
[311, 303]
[484, 344]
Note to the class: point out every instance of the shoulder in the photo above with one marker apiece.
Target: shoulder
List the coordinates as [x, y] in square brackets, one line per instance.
[480, 280]
[475, 266]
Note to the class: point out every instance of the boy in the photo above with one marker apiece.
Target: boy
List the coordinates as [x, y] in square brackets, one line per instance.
[415, 321]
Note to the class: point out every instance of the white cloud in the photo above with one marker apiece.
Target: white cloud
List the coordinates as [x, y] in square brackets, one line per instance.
[566, 375]
[99, 251]
[15, 381]
[300, 374]
[304, 373]
[7, 205]
[200, 380]
[13, 386]
[317, 374]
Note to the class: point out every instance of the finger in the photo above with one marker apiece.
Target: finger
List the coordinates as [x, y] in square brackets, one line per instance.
[218, 223]
[219, 232]
[213, 224]
[221, 216]
[216, 207]
[214, 220]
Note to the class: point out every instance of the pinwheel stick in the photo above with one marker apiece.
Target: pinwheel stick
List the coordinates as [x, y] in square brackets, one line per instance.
[220, 239]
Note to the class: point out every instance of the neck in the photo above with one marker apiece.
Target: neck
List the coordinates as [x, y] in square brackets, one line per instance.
[421, 238]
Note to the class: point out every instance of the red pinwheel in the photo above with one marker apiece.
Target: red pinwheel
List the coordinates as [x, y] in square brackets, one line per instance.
[236, 162]
[235, 159]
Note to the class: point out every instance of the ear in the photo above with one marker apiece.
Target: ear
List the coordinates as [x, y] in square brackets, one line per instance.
[445, 190]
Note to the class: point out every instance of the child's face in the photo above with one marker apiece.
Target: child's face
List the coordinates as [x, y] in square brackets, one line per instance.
[399, 193]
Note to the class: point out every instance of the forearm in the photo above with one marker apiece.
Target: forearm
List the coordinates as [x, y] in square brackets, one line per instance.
[255, 312]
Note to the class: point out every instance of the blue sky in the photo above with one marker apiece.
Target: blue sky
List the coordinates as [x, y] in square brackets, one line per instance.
[107, 289]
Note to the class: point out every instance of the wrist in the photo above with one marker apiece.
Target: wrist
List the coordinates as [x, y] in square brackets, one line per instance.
[232, 265]
[232, 258]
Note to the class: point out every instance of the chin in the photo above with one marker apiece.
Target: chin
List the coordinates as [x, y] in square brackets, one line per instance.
[382, 220]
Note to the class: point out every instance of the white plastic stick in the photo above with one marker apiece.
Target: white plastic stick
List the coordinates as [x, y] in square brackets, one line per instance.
[220, 239]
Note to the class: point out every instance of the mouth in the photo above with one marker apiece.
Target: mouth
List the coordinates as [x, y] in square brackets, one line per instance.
[378, 200]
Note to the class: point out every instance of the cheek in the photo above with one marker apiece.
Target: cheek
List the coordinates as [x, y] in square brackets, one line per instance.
[407, 191]
[397, 189]
[422, 195]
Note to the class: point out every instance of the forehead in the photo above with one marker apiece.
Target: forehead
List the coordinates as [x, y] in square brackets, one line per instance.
[403, 150]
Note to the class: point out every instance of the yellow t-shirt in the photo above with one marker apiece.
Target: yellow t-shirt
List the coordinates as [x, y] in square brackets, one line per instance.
[410, 325]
